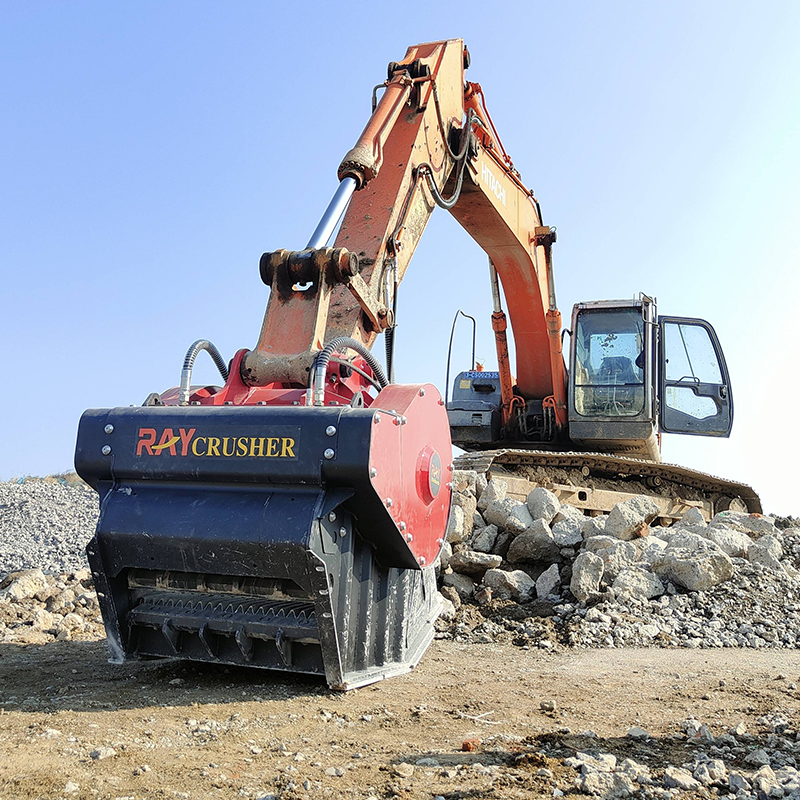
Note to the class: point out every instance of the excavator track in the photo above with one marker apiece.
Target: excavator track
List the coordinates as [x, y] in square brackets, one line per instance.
[678, 488]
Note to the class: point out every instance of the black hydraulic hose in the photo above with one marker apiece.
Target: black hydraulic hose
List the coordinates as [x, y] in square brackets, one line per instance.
[320, 367]
[188, 365]
[388, 341]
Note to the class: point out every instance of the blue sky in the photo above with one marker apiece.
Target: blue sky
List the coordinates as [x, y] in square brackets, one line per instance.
[152, 151]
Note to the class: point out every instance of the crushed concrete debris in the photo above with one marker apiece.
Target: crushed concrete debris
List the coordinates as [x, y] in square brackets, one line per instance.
[568, 580]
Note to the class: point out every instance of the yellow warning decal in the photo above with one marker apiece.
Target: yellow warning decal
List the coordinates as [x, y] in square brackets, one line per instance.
[464, 384]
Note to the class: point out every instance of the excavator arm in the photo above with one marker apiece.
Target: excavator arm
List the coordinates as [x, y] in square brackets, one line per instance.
[429, 136]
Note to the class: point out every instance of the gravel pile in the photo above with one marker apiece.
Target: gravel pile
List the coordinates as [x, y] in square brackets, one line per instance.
[45, 524]
[541, 574]
[698, 759]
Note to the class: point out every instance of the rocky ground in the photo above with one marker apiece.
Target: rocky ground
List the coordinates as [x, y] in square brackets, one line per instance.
[609, 657]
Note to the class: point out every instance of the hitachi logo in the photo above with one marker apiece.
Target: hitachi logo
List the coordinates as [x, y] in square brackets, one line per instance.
[186, 443]
[495, 187]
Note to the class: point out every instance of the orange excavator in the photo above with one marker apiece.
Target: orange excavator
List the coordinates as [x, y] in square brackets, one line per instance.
[290, 518]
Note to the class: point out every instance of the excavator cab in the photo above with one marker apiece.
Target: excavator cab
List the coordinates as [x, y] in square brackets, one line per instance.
[633, 374]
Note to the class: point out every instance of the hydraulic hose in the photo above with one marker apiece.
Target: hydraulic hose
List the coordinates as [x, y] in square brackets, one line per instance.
[320, 368]
[188, 366]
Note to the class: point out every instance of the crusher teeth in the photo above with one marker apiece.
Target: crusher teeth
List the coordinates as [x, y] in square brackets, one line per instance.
[209, 620]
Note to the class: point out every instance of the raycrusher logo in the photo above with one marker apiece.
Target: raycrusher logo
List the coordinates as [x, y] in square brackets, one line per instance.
[185, 442]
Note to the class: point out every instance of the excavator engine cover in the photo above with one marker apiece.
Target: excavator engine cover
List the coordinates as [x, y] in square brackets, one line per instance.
[290, 538]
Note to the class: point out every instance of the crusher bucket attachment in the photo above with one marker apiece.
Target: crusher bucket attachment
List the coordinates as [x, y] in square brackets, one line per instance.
[299, 539]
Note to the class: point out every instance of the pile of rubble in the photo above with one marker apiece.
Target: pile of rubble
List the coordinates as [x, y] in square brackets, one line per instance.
[541, 573]
[36, 608]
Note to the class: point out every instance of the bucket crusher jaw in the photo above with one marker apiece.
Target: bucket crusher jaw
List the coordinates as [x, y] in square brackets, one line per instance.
[290, 519]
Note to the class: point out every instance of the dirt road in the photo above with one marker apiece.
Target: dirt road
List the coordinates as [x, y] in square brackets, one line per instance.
[73, 726]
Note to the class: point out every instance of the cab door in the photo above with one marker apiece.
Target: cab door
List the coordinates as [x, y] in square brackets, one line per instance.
[694, 388]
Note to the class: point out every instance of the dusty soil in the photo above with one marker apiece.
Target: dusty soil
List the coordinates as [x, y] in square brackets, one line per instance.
[197, 731]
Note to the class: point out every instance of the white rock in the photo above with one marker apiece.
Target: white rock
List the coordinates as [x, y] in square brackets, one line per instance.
[675, 777]
[755, 524]
[587, 570]
[631, 517]
[470, 562]
[599, 542]
[735, 543]
[767, 551]
[514, 584]
[499, 512]
[567, 512]
[616, 558]
[593, 526]
[639, 583]
[519, 519]
[496, 489]
[651, 548]
[24, 585]
[549, 582]
[448, 612]
[568, 532]
[484, 539]
[445, 554]
[456, 529]
[696, 572]
[637, 733]
[44, 620]
[693, 542]
[543, 504]
[693, 517]
[463, 584]
[535, 544]
[606, 784]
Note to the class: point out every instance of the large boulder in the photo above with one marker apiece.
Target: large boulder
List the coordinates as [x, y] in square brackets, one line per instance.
[549, 582]
[516, 584]
[508, 513]
[495, 490]
[543, 504]
[695, 571]
[638, 583]
[767, 551]
[593, 526]
[456, 526]
[484, 539]
[463, 584]
[464, 491]
[535, 544]
[731, 541]
[754, 524]
[616, 558]
[587, 571]
[568, 532]
[470, 562]
[651, 548]
[630, 518]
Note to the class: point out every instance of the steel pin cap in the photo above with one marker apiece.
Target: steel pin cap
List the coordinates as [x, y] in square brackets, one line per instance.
[106, 451]
[109, 428]
[329, 453]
